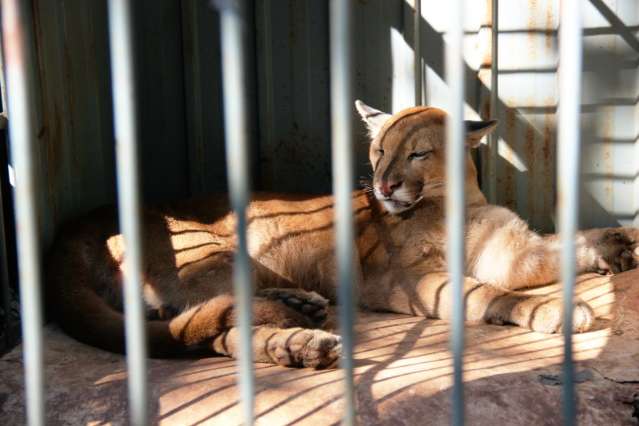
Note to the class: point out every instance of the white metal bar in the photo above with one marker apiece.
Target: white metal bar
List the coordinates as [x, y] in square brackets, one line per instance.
[493, 139]
[3, 86]
[342, 160]
[20, 85]
[233, 30]
[570, 59]
[417, 50]
[4, 271]
[455, 200]
[125, 116]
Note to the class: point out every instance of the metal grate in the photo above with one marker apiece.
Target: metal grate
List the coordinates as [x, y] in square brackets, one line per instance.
[18, 49]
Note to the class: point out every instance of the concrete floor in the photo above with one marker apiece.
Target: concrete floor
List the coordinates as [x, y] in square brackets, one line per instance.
[403, 375]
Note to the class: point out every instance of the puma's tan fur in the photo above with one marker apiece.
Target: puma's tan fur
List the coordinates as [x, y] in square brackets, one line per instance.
[401, 265]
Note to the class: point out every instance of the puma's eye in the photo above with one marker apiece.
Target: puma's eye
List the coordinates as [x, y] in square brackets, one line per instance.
[419, 155]
[380, 151]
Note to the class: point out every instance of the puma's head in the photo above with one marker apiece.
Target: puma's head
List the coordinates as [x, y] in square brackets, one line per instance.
[407, 152]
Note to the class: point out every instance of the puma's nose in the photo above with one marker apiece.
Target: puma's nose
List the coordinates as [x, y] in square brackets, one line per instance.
[387, 188]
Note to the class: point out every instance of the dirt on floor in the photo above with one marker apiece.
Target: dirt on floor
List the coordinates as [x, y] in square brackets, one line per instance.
[402, 375]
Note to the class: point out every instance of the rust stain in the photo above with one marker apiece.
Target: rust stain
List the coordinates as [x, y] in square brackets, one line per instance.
[509, 178]
[550, 25]
[485, 109]
[532, 21]
[529, 147]
[486, 33]
[548, 177]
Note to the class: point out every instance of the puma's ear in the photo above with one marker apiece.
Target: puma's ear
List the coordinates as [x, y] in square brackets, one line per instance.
[475, 130]
[373, 118]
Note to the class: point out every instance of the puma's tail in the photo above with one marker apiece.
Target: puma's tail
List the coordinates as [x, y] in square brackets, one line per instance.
[80, 281]
[87, 317]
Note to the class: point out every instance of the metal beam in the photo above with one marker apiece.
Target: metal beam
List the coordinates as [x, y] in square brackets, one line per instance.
[568, 161]
[19, 66]
[233, 29]
[126, 133]
[342, 159]
[455, 199]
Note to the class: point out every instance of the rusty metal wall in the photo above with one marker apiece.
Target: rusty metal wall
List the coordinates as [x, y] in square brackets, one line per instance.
[609, 113]
[181, 119]
[527, 102]
[528, 55]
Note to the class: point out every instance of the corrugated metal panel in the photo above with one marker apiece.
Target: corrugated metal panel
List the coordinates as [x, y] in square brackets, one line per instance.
[181, 125]
[375, 75]
[609, 126]
[527, 106]
[293, 95]
[203, 93]
[158, 25]
[75, 135]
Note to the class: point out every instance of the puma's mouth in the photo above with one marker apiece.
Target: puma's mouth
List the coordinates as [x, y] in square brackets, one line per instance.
[398, 206]
[400, 201]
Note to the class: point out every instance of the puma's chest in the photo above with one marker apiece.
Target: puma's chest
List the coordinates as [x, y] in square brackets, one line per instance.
[414, 243]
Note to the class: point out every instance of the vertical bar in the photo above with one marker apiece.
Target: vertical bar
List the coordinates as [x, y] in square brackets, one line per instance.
[18, 54]
[417, 50]
[4, 269]
[5, 294]
[3, 83]
[570, 57]
[125, 115]
[233, 30]
[493, 139]
[342, 160]
[455, 200]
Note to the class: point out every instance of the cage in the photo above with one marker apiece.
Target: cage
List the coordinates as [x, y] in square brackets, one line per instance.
[403, 370]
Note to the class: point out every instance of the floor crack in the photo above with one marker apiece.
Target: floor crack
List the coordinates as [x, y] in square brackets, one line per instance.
[610, 379]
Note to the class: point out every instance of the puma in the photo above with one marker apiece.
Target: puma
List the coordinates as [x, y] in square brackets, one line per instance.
[401, 239]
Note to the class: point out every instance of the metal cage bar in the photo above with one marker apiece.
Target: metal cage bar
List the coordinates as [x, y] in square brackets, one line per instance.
[493, 138]
[124, 114]
[455, 199]
[18, 51]
[417, 51]
[568, 160]
[233, 29]
[342, 159]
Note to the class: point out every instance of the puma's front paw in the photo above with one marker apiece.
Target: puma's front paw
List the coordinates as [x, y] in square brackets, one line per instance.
[547, 317]
[302, 347]
[309, 303]
[615, 252]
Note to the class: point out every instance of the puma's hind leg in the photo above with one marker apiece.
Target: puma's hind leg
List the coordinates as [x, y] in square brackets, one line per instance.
[281, 334]
[289, 347]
